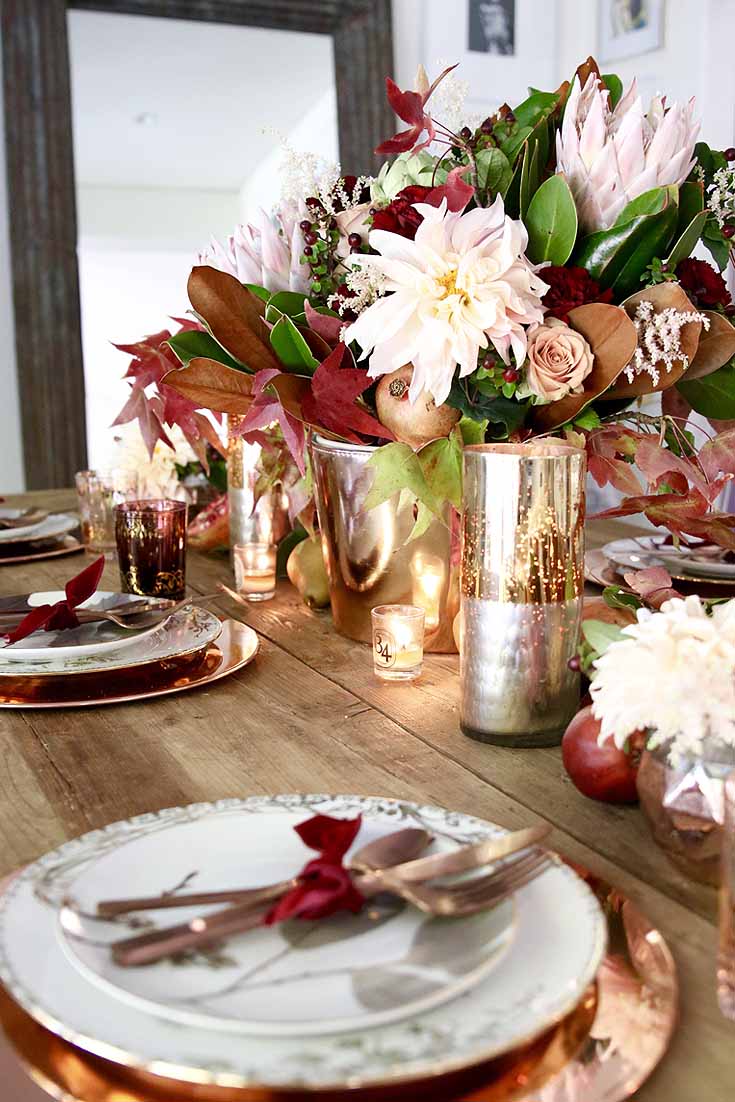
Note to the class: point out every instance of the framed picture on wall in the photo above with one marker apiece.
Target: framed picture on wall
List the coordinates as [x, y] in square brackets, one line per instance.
[492, 27]
[629, 28]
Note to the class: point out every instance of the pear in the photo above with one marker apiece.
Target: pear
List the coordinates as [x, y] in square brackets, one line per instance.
[306, 571]
[414, 423]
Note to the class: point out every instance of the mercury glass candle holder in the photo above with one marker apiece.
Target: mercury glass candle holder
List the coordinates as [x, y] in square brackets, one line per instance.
[151, 547]
[255, 570]
[522, 578]
[398, 642]
[726, 955]
[98, 492]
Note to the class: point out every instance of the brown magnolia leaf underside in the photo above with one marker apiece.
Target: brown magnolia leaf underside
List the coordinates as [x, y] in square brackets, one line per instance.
[212, 385]
[716, 346]
[612, 337]
[662, 296]
[233, 315]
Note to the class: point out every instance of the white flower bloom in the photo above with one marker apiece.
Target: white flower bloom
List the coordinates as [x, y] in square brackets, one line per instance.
[266, 252]
[674, 675]
[462, 283]
[610, 157]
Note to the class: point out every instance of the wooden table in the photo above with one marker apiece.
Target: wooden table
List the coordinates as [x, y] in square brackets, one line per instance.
[309, 716]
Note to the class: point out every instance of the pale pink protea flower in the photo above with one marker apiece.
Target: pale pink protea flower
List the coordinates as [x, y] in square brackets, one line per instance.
[610, 157]
[265, 252]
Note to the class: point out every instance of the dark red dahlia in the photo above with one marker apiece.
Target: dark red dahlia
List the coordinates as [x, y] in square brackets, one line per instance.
[570, 287]
[401, 216]
[703, 285]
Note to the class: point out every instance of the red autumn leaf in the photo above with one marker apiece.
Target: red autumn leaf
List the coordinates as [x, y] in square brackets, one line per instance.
[188, 324]
[657, 463]
[325, 325]
[409, 106]
[652, 584]
[149, 413]
[669, 509]
[331, 403]
[717, 456]
[456, 191]
[616, 472]
[267, 408]
[675, 405]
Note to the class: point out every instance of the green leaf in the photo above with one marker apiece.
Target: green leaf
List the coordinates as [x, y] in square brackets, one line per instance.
[614, 85]
[615, 596]
[397, 468]
[501, 416]
[719, 250]
[685, 243]
[514, 142]
[713, 395]
[494, 172]
[600, 635]
[691, 202]
[551, 222]
[512, 197]
[192, 343]
[650, 202]
[618, 257]
[261, 292]
[588, 419]
[424, 520]
[529, 177]
[286, 546]
[473, 432]
[537, 106]
[291, 348]
[441, 463]
[286, 302]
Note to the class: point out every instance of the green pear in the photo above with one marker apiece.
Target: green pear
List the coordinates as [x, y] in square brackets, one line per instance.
[306, 570]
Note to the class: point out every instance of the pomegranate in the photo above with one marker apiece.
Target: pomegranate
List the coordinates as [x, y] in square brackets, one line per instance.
[210, 528]
[414, 423]
[600, 772]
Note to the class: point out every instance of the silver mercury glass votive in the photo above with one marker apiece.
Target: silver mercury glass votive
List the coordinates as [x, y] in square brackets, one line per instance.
[521, 590]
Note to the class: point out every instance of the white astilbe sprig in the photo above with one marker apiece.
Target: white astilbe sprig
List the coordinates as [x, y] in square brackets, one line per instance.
[448, 101]
[721, 195]
[659, 339]
[673, 675]
[304, 174]
[366, 283]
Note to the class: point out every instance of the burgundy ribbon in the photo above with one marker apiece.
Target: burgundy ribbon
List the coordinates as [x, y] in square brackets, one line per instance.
[59, 616]
[324, 884]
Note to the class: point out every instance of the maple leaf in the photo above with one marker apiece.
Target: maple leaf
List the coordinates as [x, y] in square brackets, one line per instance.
[331, 402]
[652, 584]
[149, 414]
[325, 325]
[455, 190]
[267, 408]
[409, 106]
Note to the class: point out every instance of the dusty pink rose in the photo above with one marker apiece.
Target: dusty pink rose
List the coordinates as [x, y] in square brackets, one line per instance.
[559, 360]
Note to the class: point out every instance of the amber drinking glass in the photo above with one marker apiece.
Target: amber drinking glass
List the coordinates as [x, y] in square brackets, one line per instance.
[151, 547]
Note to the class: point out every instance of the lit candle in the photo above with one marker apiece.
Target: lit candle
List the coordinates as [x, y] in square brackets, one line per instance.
[428, 581]
[398, 641]
[255, 570]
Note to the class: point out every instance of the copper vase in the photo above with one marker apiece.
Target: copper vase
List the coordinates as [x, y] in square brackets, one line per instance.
[367, 557]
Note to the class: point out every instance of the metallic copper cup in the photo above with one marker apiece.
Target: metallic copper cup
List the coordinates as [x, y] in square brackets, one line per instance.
[521, 583]
[151, 547]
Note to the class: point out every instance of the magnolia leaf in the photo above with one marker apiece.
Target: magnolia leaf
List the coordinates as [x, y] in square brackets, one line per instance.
[195, 343]
[441, 463]
[713, 395]
[233, 315]
[618, 257]
[663, 296]
[551, 221]
[716, 347]
[614, 85]
[649, 202]
[290, 303]
[212, 385]
[538, 106]
[397, 468]
[291, 348]
[260, 292]
[684, 245]
[612, 337]
[529, 177]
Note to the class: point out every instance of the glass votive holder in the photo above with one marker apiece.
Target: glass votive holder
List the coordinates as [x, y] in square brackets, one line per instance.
[255, 570]
[398, 642]
[151, 547]
[726, 954]
[98, 493]
[428, 577]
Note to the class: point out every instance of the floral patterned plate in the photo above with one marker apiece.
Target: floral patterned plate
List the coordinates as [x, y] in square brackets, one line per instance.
[56, 524]
[186, 632]
[559, 943]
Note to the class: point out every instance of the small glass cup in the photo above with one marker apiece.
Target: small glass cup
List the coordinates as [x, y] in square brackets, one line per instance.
[726, 954]
[98, 493]
[255, 570]
[151, 547]
[398, 642]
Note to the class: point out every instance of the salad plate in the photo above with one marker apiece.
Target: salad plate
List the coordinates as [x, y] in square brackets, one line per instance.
[531, 987]
[56, 524]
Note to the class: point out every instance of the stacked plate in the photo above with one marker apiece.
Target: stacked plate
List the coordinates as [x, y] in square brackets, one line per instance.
[375, 1001]
[46, 535]
[697, 564]
[101, 662]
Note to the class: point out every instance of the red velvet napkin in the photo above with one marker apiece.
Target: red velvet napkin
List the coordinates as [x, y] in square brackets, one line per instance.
[60, 616]
[325, 885]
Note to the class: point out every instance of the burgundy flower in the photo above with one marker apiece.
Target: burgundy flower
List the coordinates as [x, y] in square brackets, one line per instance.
[703, 285]
[570, 287]
[401, 216]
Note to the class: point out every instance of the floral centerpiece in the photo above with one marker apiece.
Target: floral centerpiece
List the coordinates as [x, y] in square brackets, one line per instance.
[532, 274]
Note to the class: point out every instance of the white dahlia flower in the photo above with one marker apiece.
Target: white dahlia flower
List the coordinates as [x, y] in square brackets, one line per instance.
[610, 157]
[463, 283]
[674, 675]
[265, 252]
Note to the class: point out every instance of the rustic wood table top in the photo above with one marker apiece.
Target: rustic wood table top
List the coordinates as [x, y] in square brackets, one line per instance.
[308, 716]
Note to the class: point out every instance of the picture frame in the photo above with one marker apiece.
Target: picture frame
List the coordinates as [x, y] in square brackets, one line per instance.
[628, 28]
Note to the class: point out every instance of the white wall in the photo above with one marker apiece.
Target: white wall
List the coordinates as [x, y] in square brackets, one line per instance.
[12, 479]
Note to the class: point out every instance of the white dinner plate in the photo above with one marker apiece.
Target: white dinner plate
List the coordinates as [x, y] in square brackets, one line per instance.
[559, 942]
[187, 631]
[56, 524]
[646, 551]
[380, 966]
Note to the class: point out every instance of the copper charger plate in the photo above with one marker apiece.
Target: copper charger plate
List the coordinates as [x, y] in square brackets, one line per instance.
[236, 646]
[69, 545]
[602, 1052]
